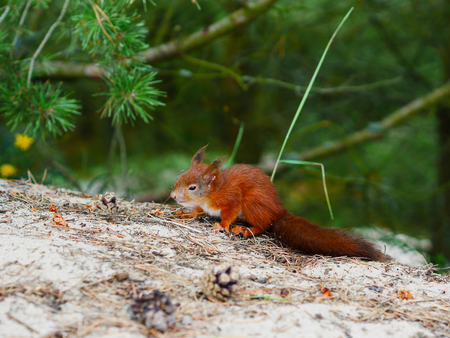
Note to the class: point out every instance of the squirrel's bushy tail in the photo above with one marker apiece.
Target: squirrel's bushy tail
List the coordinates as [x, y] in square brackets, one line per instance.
[300, 234]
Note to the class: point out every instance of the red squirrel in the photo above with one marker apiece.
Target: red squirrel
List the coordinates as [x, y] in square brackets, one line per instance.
[246, 192]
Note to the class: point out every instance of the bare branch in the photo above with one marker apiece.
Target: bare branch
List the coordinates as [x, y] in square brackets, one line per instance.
[202, 37]
[325, 91]
[44, 41]
[21, 22]
[377, 129]
[63, 69]
[218, 67]
[5, 13]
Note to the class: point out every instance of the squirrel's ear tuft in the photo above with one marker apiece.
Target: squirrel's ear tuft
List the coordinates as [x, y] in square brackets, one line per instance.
[198, 157]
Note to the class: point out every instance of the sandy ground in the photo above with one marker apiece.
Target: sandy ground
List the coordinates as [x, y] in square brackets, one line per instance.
[78, 279]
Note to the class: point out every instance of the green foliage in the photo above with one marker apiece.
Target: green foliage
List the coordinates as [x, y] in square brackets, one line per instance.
[42, 108]
[36, 109]
[4, 45]
[41, 3]
[130, 91]
[108, 29]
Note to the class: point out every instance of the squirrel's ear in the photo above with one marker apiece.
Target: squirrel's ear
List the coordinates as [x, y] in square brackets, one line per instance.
[212, 172]
[198, 157]
[217, 162]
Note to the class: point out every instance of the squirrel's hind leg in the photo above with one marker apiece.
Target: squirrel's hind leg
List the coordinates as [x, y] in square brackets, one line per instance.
[246, 232]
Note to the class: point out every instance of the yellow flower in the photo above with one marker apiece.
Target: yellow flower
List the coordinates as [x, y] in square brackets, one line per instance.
[23, 141]
[7, 170]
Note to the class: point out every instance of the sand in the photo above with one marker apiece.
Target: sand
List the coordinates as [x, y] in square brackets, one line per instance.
[78, 279]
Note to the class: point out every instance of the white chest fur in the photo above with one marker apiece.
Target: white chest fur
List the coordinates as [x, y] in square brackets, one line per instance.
[210, 211]
[215, 212]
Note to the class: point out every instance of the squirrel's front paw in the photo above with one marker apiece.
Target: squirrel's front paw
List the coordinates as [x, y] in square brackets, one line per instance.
[184, 215]
[218, 227]
[245, 232]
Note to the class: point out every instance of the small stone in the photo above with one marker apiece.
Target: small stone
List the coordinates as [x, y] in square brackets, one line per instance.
[262, 280]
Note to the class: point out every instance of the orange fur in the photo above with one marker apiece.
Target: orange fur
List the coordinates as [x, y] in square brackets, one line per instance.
[245, 192]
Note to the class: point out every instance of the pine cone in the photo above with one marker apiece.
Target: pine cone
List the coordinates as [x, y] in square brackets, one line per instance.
[107, 202]
[154, 310]
[220, 284]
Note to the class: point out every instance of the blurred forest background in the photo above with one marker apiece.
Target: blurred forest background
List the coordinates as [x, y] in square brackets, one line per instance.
[378, 116]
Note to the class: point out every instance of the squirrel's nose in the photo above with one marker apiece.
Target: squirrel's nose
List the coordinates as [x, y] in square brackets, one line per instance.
[172, 194]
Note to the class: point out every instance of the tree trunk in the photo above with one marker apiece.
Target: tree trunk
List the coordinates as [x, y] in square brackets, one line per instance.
[441, 233]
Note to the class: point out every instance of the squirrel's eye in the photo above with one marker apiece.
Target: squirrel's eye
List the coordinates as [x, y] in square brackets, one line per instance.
[192, 187]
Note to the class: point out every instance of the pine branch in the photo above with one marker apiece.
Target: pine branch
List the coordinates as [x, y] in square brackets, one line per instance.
[165, 51]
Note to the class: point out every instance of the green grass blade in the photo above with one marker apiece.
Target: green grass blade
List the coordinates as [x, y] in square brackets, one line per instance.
[236, 145]
[323, 178]
[308, 89]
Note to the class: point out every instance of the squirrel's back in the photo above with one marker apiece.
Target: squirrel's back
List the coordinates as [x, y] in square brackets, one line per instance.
[260, 202]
